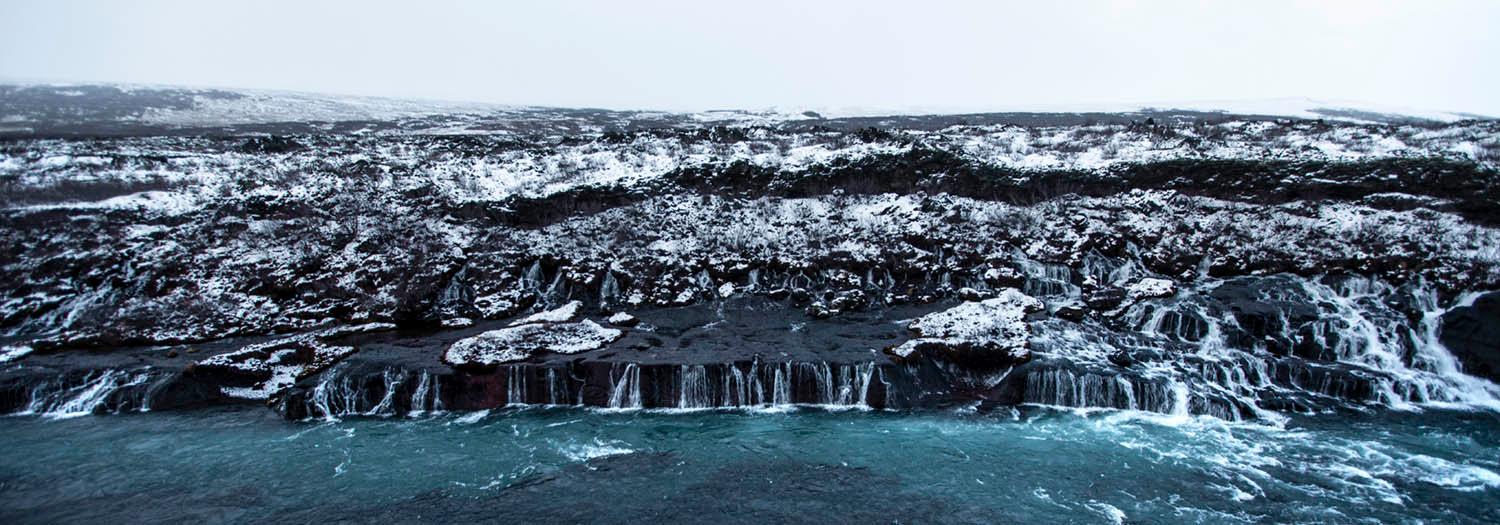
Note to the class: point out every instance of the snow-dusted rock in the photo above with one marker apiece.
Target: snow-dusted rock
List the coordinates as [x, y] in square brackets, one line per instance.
[517, 343]
[561, 314]
[10, 353]
[457, 322]
[623, 319]
[1151, 288]
[261, 370]
[987, 333]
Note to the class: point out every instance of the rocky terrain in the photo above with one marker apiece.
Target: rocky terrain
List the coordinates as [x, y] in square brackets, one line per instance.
[169, 248]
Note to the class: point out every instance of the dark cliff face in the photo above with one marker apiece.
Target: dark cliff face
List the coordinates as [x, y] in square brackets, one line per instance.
[1246, 255]
[1473, 334]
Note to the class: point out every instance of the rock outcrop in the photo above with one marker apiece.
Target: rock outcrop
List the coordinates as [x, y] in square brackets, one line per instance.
[1473, 334]
[520, 342]
[988, 333]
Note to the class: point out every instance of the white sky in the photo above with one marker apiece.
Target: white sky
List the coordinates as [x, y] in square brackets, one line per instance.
[703, 54]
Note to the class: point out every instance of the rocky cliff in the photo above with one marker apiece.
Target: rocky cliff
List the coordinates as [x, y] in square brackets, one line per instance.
[398, 263]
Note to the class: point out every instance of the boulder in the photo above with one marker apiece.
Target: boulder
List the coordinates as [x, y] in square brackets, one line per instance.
[849, 300]
[819, 311]
[564, 313]
[988, 333]
[1004, 276]
[1151, 288]
[624, 319]
[517, 343]
[1071, 312]
[970, 294]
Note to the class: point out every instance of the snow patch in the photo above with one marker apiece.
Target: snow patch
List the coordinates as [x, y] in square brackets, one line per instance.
[517, 343]
[1151, 288]
[995, 325]
[10, 353]
[564, 313]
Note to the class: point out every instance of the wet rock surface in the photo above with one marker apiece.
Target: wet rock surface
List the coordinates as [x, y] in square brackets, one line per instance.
[1473, 334]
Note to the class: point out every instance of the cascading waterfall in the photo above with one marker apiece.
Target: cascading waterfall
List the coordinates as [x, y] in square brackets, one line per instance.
[342, 392]
[533, 277]
[609, 289]
[693, 389]
[515, 384]
[1376, 355]
[1317, 344]
[1372, 336]
[627, 390]
[336, 394]
[427, 398]
[1065, 388]
[97, 391]
[1047, 280]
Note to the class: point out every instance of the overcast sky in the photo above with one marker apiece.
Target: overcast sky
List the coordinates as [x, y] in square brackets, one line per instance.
[1428, 54]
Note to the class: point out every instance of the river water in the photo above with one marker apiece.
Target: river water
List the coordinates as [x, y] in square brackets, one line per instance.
[800, 464]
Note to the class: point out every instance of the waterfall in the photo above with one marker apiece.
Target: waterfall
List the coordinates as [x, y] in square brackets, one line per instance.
[693, 390]
[1370, 334]
[736, 388]
[557, 388]
[627, 391]
[609, 290]
[1047, 281]
[1338, 340]
[1065, 388]
[515, 386]
[334, 395]
[1108, 270]
[427, 397]
[1304, 345]
[98, 391]
[555, 293]
[781, 394]
[533, 277]
[392, 380]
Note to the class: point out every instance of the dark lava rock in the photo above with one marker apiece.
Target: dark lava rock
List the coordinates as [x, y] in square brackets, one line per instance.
[1071, 312]
[1472, 333]
[848, 301]
[271, 145]
[970, 294]
[1261, 319]
[779, 294]
[1005, 276]
[1105, 299]
[819, 311]
[800, 296]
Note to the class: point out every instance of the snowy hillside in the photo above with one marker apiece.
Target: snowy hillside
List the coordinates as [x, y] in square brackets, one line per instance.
[1249, 256]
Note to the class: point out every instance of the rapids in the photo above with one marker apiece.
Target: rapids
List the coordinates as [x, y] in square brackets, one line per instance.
[753, 466]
